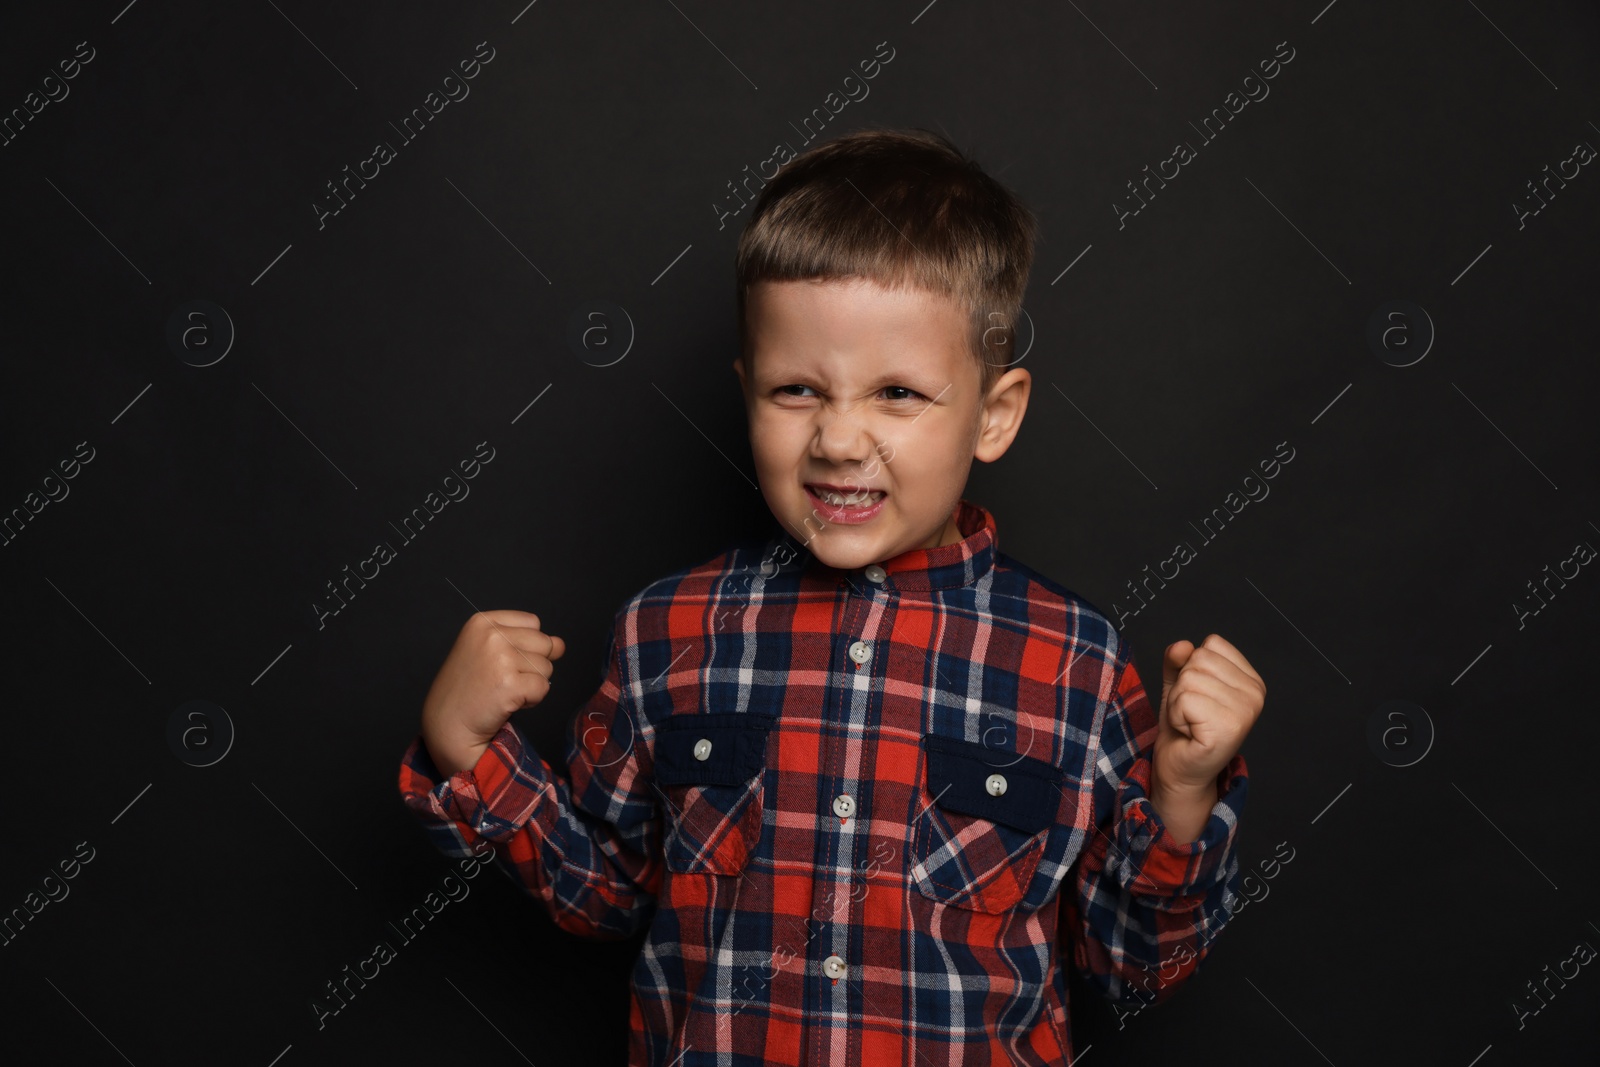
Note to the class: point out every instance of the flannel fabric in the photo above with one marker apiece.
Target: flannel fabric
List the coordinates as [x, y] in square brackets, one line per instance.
[866, 816]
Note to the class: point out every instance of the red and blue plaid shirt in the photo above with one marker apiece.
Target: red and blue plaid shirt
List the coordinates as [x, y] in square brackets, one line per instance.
[866, 815]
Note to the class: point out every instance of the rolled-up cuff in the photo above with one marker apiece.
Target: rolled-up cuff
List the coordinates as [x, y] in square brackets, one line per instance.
[1147, 861]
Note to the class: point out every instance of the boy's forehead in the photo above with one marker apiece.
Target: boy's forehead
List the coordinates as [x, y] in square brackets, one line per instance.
[804, 321]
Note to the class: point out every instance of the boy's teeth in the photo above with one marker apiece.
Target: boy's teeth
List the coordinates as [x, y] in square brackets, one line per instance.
[853, 500]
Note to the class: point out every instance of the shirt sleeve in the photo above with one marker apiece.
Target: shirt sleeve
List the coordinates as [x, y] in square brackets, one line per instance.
[1144, 909]
[588, 845]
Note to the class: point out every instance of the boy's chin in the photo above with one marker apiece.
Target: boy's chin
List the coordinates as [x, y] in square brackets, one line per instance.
[843, 558]
[848, 553]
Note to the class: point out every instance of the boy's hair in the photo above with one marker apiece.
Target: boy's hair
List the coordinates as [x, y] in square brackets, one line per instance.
[901, 207]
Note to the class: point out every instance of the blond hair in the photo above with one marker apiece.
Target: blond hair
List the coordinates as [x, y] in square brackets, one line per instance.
[901, 207]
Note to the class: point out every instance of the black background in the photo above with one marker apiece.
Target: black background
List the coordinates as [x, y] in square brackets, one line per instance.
[374, 353]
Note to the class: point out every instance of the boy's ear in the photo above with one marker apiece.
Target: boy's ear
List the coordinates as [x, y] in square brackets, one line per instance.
[1003, 410]
[738, 368]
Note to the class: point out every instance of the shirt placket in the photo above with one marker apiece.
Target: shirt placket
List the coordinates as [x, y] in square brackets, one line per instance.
[859, 660]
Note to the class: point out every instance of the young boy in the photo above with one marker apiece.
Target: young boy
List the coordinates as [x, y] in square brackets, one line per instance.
[871, 785]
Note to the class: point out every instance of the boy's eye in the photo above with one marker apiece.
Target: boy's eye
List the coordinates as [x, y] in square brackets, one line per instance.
[910, 393]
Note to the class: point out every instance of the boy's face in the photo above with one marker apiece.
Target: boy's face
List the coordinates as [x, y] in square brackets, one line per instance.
[857, 387]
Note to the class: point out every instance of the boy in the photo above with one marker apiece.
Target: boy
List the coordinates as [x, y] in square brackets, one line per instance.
[873, 784]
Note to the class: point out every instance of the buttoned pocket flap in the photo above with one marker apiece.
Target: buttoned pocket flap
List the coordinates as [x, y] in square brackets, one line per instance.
[971, 778]
[716, 748]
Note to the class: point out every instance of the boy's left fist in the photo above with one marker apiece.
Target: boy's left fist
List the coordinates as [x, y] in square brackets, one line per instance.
[1210, 698]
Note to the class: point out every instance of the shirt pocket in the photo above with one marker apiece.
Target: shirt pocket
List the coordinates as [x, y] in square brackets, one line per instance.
[988, 818]
[709, 773]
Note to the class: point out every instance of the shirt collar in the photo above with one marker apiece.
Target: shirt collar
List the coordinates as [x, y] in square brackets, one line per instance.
[917, 569]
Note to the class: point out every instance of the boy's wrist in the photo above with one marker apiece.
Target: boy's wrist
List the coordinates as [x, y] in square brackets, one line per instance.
[1184, 810]
[453, 753]
[1182, 790]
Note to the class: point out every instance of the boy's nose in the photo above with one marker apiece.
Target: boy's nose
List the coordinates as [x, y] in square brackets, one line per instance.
[843, 448]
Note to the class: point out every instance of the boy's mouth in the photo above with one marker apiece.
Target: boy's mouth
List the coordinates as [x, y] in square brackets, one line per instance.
[838, 505]
[840, 497]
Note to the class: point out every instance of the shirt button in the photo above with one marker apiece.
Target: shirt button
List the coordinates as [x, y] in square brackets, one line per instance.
[996, 784]
[844, 806]
[861, 651]
[833, 967]
[875, 573]
[702, 749]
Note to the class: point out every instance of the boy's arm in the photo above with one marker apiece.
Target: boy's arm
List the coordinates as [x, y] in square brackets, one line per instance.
[1141, 910]
[586, 846]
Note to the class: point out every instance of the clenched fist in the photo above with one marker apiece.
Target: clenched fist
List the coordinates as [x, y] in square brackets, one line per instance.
[501, 661]
[1210, 699]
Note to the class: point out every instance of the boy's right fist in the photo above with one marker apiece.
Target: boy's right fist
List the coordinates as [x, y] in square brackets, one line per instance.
[501, 661]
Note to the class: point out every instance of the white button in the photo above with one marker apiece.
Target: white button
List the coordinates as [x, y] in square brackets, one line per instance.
[702, 748]
[844, 806]
[833, 967]
[996, 784]
[861, 651]
[875, 573]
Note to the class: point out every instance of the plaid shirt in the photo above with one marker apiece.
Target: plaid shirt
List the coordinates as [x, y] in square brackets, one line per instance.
[867, 816]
